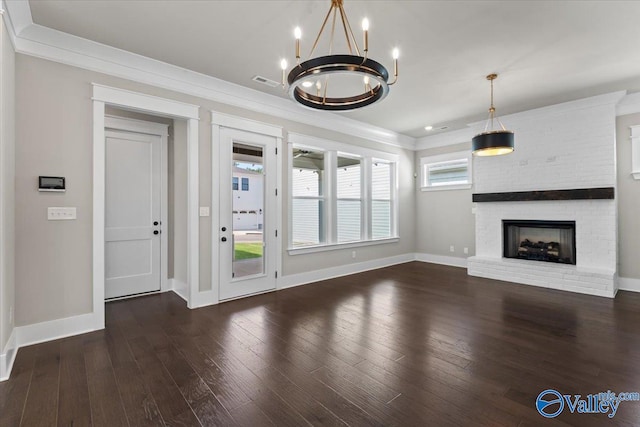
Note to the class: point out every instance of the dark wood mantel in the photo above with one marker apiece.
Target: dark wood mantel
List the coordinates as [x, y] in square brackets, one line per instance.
[532, 196]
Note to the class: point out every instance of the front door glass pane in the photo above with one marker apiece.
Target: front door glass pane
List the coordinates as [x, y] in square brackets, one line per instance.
[248, 210]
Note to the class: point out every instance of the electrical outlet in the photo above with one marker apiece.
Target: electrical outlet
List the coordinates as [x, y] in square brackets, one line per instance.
[452, 249]
[204, 211]
[466, 250]
[353, 254]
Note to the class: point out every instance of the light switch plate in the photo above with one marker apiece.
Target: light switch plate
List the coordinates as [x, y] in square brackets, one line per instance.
[61, 214]
[204, 211]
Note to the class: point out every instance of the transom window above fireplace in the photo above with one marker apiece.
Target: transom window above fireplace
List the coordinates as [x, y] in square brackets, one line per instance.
[534, 240]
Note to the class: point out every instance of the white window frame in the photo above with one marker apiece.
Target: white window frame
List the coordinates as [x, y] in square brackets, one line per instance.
[429, 160]
[332, 150]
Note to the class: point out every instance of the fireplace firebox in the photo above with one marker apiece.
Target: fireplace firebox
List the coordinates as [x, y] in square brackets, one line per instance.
[550, 241]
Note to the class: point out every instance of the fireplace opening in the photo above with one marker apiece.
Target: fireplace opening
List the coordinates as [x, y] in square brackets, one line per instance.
[549, 241]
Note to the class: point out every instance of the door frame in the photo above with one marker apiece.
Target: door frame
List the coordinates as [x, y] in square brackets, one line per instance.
[156, 129]
[219, 121]
[105, 95]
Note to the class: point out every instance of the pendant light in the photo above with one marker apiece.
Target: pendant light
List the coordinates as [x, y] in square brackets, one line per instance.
[309, 81]
[493, 142]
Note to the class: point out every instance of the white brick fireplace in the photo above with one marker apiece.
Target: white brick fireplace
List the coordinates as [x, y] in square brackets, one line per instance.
[563, 147]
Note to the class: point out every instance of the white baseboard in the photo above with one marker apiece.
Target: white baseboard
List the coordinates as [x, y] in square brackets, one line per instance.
[55, 329]
[203, 299]
[8, 356]
[292, 280]
[23, 336]
[442, 259]
[180, 288]
[628, 284]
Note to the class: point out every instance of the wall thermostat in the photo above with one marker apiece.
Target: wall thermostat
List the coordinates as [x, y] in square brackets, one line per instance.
[51, 183]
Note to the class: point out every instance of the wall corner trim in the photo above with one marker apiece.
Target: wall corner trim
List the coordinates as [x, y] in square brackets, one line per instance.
[8, 356]
[36, 333]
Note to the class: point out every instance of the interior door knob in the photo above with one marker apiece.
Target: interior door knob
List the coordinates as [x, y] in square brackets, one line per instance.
[155, 223]
[224, 239]
[156, 232]
[224, 228]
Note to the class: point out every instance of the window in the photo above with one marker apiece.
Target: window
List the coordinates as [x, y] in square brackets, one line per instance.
[245, 184]
[447, 171]
[381, 206]
[339, 195]
[307, 207]
[349, 199]
[235, 183]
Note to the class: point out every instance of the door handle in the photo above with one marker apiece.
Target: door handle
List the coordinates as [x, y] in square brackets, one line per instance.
[156, 232]
[224, 239]
[156, 223]
[224, 228]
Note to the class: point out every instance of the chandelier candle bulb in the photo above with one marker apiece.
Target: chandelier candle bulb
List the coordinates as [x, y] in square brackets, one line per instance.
[283, 65]
[395, 54]
[298, 34]
[365, 29]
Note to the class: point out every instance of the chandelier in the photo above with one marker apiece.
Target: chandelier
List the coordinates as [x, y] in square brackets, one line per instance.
[492, 142]
[356, 80]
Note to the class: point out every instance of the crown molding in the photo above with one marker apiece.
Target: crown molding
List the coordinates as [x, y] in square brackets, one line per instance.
[619, 100]
[46, 43]
[19, 13]
[630, 104]
[446, 138]
[607, 99]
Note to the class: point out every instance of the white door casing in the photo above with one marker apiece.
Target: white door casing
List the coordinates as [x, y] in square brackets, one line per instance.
[105, 95]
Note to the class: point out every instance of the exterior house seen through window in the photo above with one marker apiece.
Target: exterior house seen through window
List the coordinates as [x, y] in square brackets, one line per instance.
[340, 194]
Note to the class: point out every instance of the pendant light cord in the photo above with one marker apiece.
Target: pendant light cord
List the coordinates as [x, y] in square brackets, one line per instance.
[492, 109]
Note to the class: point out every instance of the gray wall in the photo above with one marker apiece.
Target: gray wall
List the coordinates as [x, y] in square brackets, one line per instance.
[7, 179]
[54, 135]
[628, 201]
[444, 218]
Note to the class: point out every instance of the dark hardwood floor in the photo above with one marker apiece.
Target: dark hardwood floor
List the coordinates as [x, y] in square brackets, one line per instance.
[410, 345]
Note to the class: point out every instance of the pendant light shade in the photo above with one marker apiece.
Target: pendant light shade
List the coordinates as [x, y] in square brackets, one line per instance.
[493, 142]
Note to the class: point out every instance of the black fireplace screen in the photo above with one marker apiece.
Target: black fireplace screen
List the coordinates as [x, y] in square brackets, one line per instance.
[551, 241]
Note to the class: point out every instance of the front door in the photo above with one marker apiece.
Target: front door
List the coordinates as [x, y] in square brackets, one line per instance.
[247, 235]
[132, 213]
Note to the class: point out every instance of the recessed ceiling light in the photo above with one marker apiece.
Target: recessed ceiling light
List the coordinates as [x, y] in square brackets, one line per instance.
[307, 84]
[428, 128]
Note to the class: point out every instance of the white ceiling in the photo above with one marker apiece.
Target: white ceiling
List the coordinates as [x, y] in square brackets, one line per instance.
[546, 52]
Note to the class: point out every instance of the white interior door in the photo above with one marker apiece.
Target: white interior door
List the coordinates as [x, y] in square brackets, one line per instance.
[247, 234]
[132, 213]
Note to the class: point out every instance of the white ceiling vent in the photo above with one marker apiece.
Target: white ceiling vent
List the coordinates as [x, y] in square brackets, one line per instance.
[265, 81]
